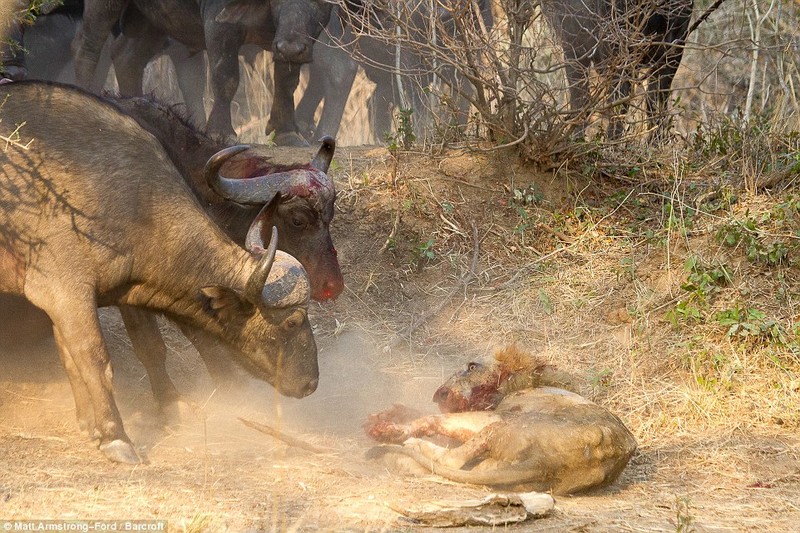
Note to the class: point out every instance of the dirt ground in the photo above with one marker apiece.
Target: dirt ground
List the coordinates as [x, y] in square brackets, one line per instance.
[457, 274]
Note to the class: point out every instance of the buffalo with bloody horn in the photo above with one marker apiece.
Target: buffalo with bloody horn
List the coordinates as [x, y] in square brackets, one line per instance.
[298, 200]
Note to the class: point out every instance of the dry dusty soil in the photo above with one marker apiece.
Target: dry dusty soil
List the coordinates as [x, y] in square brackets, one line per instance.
[455, 275]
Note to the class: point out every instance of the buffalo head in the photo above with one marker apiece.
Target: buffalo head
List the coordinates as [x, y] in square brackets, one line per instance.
[298, 23]
[268, 322]
[303, 210]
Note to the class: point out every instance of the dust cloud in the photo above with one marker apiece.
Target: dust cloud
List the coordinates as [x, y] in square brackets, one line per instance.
[355, 380]
[358, 376]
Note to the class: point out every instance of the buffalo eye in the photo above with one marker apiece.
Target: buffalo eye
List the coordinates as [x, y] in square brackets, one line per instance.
[295, 320]
[298, 222]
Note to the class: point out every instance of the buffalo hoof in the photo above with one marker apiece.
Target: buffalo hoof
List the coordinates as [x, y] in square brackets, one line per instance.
[120, 451]
[290, 139]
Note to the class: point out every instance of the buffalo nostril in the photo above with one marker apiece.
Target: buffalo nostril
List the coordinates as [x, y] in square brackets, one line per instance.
[330, 290]
[310, 387]
[290, 49]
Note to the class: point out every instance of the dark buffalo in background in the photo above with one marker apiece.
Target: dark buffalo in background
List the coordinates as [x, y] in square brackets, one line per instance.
[624, 41]
[339, 54]
[93, 213]
[221, 27]
[42, 50]
[620, 38]
[47, 55]
[302, 212]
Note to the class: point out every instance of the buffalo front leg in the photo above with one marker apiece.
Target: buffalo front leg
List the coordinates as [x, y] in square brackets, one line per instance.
[578, 84]
[83, 350]
[337, 89]
[659, 87]
[307, 107]
[190, 68]
[281, 117]
[131, 56]
[150, 349]
[84, 411]
[331, 77]
[223, 42]
[381, 104]
[99, 16]
[621, 96]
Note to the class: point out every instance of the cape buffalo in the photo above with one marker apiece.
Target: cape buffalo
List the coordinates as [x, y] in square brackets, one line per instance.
[618, 38]
[93, 213]
[221, 27]
[244, 209]
[339, 54]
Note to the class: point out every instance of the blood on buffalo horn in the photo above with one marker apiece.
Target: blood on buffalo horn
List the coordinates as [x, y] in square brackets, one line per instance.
[322, 161]
[303, 182]
[255, 285]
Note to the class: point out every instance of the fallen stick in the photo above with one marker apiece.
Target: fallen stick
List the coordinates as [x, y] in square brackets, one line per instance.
[288, 439]
[557, 234]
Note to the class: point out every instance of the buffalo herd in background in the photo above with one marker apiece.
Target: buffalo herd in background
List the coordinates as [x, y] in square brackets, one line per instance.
[122, 201]
[76, 41]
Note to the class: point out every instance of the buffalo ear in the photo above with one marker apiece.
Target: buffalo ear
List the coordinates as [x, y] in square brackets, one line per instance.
[223, 303]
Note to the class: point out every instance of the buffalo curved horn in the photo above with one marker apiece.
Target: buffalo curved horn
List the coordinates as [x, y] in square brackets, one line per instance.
[255, 285]
[322, 161]
[253, 241]
[215, 162]
[303, 182]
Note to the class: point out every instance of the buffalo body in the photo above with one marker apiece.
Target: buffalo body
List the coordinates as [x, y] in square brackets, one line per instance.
[94, 213]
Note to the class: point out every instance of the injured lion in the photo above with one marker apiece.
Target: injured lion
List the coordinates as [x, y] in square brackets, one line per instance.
[513, 425]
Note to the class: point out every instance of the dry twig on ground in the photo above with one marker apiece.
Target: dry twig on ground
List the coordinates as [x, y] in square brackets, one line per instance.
[288, 439]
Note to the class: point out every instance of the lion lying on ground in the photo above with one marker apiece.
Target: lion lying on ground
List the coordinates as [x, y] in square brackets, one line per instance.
[514, 425]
